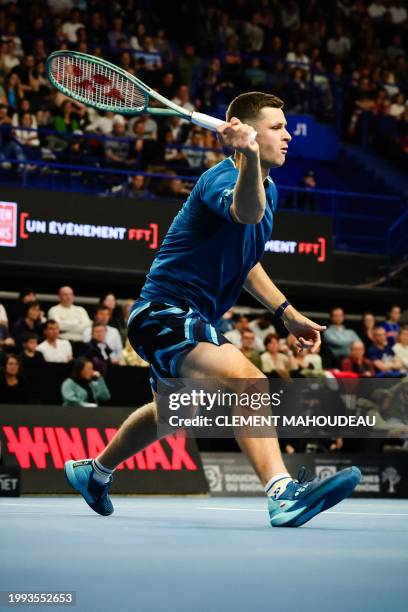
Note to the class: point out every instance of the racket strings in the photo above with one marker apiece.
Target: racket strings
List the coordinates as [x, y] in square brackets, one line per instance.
[97, 84]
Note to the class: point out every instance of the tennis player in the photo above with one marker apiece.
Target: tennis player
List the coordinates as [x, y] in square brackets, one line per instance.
[211, 251]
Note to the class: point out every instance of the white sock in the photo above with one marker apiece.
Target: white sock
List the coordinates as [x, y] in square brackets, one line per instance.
[277, 485]
[100, 473]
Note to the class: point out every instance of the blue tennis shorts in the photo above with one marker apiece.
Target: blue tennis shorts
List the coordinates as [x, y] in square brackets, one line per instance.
[163, 334]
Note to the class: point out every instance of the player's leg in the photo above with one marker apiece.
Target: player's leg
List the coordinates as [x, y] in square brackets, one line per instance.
[291, 503]
[227, 362]
[136, 432]
[92, 477]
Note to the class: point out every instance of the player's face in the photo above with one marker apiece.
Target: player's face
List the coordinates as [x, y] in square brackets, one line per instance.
[273, 137]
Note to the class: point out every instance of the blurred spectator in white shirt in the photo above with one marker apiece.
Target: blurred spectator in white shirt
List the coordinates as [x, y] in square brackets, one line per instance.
[3, 316]
[54, 349]
[275, 361]
[72, 320]
[112, 337]
[401, 346]
[235, 335]
[71, 27]
[262, 327]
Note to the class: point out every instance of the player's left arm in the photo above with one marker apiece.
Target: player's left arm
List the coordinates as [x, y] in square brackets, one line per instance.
[261, 287]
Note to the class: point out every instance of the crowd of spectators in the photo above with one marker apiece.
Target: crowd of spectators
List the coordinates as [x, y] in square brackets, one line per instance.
[344, 61]
[65, 335]
[91, 342]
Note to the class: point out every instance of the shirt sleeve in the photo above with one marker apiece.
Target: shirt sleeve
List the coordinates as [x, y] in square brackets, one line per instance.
[217, 192]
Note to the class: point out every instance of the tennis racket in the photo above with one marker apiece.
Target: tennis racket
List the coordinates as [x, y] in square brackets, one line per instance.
[102, 85]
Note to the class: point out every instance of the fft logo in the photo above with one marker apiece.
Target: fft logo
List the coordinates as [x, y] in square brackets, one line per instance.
[8, 224]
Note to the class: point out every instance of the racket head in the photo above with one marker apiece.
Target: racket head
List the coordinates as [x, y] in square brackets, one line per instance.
[97, 83]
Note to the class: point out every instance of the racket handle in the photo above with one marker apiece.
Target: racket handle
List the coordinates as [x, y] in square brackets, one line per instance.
[210, 123]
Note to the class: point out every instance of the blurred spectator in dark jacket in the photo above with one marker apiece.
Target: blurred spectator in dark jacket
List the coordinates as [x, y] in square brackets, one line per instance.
[368, 324]
[97, 349]
[385, 361]
[116, 312]
[356, 362]
[134, 188]
[7, 343]
[12, 386]
[30, 356]
[86, 387]
[392, 324]
[31, 321]
[112, 337]
[307, 200]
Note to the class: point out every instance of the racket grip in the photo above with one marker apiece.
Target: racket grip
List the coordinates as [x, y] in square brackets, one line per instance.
[210, 123]
[205, 121]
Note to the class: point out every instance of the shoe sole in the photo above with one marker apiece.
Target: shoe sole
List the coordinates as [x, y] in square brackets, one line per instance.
[328, 495]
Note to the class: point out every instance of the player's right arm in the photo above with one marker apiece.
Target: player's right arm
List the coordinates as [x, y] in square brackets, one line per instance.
[249, 200]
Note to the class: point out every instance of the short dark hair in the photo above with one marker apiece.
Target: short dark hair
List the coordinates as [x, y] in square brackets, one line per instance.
[78, 366]
[48, 323]
[270, 337]
[247, 106]
[26, 336]
[28, 305]
[98, 324]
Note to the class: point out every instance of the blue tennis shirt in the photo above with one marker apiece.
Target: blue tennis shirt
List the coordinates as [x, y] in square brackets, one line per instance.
[206, 256]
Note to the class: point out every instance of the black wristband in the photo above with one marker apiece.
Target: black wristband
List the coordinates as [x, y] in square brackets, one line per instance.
[279, 311]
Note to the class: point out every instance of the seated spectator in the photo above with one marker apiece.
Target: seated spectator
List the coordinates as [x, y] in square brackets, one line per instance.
[308, 364]
[26, 295]
[368, 324]
[338, 338]
[356, 362]
[247, 348]
[12, 385]
[86, 387]
[117, 148]
[30, 321]
[262, 326]
[3, 316]
[116, 318]
[392, 324]
[30, 357]
[307, 199]
[273, 361]
[54, 349]
[226, 322]
[235, 335]
[382, 355]
[134, 188]
[6, 341]
[26, 138]
[400, 348]
[97, 349]
[131, 358]
[112, 336]
[72, 320]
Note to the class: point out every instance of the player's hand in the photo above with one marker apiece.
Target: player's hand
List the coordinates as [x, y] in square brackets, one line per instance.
[306, 332]
[237, 135]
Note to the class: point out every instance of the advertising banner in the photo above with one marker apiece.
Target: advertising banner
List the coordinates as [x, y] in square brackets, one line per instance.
[383, 476]
[76, 232]
[38, 440]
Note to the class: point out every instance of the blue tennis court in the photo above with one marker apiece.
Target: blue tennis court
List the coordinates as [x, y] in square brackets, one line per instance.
[196, 554]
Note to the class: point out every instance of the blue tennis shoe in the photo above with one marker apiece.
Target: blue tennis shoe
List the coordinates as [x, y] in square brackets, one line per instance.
[79, 476]
[303, 499]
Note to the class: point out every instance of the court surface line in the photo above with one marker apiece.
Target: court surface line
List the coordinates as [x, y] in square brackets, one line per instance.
[219, 508]
[326, 512]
